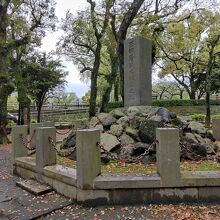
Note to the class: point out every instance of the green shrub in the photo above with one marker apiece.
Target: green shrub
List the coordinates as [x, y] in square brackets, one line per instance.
[170, 102]
[198, 117]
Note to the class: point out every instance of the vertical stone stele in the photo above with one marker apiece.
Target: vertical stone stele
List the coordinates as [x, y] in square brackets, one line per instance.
[137, 72]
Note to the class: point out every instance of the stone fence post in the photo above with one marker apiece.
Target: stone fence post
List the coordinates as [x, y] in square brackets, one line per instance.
[216, 128]
[88, 157]
[45, 152]
[19, 141]
[168, 156]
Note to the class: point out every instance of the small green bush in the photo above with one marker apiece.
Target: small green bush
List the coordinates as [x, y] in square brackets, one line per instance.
[198, 117]
[170, 102]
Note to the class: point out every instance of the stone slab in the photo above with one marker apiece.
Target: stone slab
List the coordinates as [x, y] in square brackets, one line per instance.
[200, 178]
[34, 187]
[127, 182]
[61, 173]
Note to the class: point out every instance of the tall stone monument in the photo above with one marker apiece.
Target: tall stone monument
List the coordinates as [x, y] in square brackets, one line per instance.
[137, 72]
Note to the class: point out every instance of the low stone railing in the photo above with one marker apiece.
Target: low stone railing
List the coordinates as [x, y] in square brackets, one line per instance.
[86, 183]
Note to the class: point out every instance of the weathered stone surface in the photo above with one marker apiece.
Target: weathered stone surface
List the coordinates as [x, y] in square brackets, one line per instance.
[125, 139]
[135, 121]
[190, 137]
[106, 119]
[137, 71]
[123, 121]
[216, 128]
[199, 149]
[138, 110]
[99, 127]
[164, 114]
[147, 131]
[133, 133]
[126, 151]
[140, 148]
[117, 113]
[93, 122]
[109, 141]
[197, 127]
[116, 130]
[69, 141]
[156, 118]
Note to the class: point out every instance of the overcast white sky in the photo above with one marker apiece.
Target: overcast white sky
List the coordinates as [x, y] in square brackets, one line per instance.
[49, 44]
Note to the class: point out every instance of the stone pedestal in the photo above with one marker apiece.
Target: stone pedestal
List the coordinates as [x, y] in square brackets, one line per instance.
[88, 157]
[33, 127]
[216, 128]
[19, 149]
[137, 72]
[45, 152]
[168, 156]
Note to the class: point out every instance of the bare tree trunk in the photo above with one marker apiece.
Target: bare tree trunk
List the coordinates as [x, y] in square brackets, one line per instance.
[111, 80]
[94, 76]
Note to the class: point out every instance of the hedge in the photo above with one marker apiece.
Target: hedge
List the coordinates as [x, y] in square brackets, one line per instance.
[170, 102]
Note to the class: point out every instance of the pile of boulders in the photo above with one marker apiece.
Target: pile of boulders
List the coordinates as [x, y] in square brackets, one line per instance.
[130, 132]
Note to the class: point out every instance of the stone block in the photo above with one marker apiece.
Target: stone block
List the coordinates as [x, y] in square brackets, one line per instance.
[45, 152]
[216, 128]
[88, 157]
[168, 156]
[19, 141]
[137, 71]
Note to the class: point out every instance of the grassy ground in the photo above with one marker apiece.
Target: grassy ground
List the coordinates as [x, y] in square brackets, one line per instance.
[191, 110]
[120, 168]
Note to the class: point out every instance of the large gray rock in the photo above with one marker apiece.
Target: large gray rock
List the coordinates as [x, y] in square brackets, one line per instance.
[125, 139]
[126, 151]
[133, 133]
[69, 141]
[109, 141]
[147, 131]
[123, 121]
[117, 113]
[197, 127]
[93, 122]
[139, 110]
[106, 119]
[135, 121]
[165, 115]
[116, 130]
[99, 127]
[190, 137]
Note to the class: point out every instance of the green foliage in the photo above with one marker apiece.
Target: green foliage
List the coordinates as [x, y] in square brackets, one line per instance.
[198, 117]
[183, 102]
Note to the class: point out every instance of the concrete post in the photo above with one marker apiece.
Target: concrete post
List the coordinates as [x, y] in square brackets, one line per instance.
[168, 156]
[45, 152]
[216, 128]
[18, 147]
[88, 157]
[33, 127]
[48, 124]
[137, 71]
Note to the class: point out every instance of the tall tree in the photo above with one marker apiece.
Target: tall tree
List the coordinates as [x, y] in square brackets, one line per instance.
[43, 75]
[13, 13]
[183, 48]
